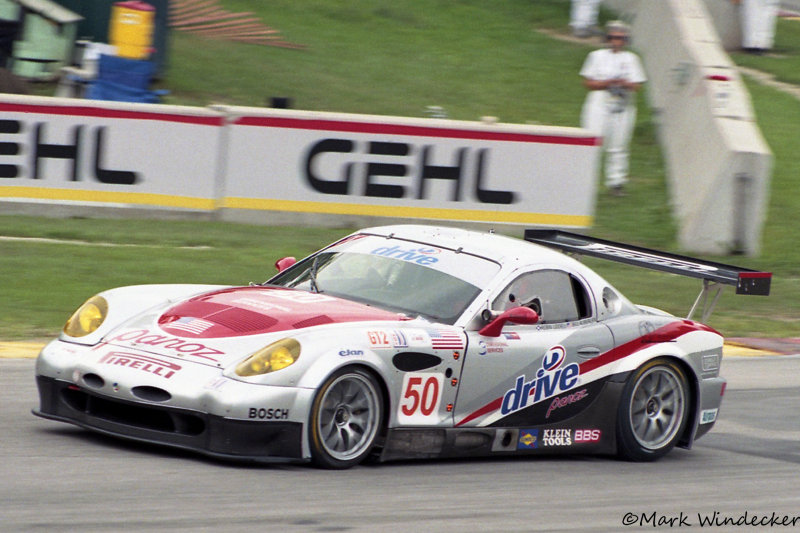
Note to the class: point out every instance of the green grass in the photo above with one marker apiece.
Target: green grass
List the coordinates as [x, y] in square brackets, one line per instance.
[473, 58]
[783, 61]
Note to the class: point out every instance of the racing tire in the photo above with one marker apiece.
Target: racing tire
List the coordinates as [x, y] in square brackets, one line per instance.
[653, 411]
[345, 419]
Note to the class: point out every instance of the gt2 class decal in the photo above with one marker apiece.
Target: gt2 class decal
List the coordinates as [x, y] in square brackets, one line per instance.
[550, 380]
[422, 394]
[387, 339]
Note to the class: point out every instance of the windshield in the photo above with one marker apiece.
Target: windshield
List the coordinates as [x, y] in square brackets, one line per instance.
[403, 276]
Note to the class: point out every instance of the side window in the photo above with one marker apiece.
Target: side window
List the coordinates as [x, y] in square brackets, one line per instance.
[555, 295]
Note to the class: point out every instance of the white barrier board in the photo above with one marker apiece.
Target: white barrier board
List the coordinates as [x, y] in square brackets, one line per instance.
[286, 160]
[67, 150]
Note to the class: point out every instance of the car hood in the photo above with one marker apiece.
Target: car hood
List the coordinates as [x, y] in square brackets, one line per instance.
[257, 310]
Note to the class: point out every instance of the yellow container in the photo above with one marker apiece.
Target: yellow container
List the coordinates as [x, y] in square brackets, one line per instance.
[131, 29]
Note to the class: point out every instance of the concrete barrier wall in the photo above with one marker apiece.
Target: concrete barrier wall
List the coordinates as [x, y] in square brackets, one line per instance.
[279, 166]
[718, 163]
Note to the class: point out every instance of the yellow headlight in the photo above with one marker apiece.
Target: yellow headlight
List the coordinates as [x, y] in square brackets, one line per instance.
[274, 357]
[87, 318]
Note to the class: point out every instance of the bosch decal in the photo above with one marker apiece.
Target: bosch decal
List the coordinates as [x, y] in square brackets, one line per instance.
[261, 413]
[550, 380]
[143, 363]
[415, 172]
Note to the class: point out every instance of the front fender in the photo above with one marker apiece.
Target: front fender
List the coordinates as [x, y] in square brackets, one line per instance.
[127, 302]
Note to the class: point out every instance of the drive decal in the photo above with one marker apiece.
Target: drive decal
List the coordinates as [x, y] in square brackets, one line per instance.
[550, 380]
[422, 256]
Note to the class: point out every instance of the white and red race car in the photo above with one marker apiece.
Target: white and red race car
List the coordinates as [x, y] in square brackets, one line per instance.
[400, 342]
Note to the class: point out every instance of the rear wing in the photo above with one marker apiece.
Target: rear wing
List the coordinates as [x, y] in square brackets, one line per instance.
[714, 275]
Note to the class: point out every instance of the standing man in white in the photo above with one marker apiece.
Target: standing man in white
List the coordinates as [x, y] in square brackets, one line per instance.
[583, 17]
[759, 18]
[613, 75]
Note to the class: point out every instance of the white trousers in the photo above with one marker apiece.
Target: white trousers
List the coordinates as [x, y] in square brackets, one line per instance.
[758, 23]
[583, 14]
[616, 129]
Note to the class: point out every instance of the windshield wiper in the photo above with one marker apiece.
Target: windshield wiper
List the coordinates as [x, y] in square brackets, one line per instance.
[312, 275]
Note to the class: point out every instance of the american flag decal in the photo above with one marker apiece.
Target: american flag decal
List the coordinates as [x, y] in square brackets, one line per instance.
[445, 339]
[192, 325]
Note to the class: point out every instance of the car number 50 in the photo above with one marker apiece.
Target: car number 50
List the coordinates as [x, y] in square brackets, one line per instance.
[422, 394]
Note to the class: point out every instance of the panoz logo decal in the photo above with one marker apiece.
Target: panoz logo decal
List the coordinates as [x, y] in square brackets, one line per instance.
[550, 380]
[558, 403]
[144, 363]
[421, 256]
[176, 345]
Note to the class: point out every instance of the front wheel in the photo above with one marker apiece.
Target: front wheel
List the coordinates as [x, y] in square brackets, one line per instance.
[653, 411]
[345, 419]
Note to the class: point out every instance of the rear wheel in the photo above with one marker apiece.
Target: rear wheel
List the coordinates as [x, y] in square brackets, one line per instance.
[345, 419]
[653, 411]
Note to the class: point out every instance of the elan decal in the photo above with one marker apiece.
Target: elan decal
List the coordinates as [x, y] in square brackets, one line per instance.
[551, 379]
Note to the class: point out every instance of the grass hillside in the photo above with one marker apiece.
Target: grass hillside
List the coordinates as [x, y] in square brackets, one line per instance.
[471, 57]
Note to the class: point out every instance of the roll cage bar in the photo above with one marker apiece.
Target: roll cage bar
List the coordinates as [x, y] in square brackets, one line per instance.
[714, 275]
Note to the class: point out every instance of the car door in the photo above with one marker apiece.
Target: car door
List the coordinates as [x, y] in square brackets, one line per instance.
[507, 380]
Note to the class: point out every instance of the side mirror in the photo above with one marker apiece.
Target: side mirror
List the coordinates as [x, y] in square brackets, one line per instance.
[515, 315]
[284, 263]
